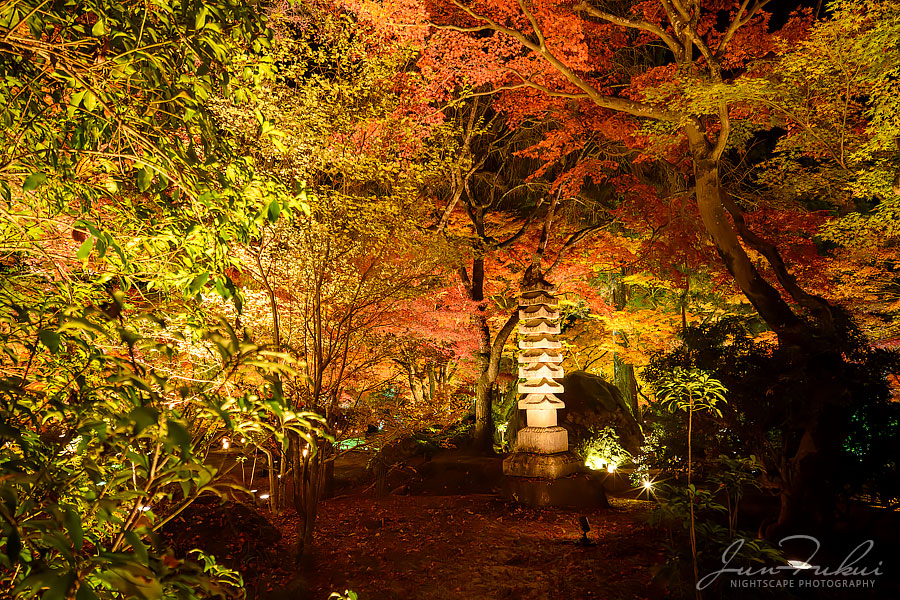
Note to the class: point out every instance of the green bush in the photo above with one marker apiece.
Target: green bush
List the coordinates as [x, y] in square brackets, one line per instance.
[94, 441]
[602, 448]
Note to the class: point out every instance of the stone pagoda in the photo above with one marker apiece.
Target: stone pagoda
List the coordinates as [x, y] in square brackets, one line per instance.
[542, 447]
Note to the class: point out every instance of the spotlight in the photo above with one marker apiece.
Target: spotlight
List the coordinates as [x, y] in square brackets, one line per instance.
[585, 528]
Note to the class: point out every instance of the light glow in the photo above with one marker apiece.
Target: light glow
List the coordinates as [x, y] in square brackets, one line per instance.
[225, 443]
[263, 496]
[610, 468]
[800, 564]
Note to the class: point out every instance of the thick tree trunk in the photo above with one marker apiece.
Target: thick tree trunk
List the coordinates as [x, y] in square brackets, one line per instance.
[762, 295]
[807, 491]
[483, 440]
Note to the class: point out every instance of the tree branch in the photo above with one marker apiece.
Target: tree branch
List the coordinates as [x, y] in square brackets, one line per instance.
[631, 107]
[738, 22]
[656, 30]
[574, 240]
[811, 301]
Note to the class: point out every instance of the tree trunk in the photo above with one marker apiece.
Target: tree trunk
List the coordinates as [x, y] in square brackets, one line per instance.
[807, 498]
[484, 423]
[762, 295]
[307, 477]
[623, 373]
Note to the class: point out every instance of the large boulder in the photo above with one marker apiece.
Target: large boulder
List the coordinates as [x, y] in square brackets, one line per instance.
[592, 403]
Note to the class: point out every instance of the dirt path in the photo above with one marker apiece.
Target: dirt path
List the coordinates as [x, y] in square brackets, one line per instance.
[474, 547]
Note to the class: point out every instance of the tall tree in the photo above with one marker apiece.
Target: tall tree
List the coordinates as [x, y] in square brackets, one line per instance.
[683, 102]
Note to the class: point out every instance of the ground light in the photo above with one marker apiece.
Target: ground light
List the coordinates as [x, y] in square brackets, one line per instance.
[585, 528]
[647, 485]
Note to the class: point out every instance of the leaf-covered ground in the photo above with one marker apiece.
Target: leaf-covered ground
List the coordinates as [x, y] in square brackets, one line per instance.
[473, 546]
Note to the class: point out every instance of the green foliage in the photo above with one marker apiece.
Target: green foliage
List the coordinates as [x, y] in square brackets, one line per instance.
[772, 393]
[106, 133]
[732, 476]
[836, 94]
[602, 448]
[673, 513]
[112, 94]
[690, 390]
[100, 449]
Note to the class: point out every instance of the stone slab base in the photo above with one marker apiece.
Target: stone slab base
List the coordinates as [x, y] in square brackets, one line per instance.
[577, 491]
[548, 466]
[542, 440]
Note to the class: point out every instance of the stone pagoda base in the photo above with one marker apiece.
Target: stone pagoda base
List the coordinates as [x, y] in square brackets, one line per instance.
[547, 466]
[580, 490]
[542, 440]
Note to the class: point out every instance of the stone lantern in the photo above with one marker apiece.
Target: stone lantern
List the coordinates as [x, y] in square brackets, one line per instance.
[542, 447]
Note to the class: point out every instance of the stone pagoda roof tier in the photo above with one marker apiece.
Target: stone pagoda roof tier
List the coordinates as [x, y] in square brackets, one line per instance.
[539, 286]
[539, 328]
[541, 402]
[538, 300]
[539, 343]
[541, 371]
[545, 386]
[542, 312]
[531, 357]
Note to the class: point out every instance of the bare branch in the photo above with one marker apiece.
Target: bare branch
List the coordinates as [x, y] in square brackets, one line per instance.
[532, 84]
[659, 32]
[534, 24]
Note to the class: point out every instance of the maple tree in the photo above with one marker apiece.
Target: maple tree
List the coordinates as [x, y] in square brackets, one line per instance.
[683, 103]
[337, 281]
[509, 225]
